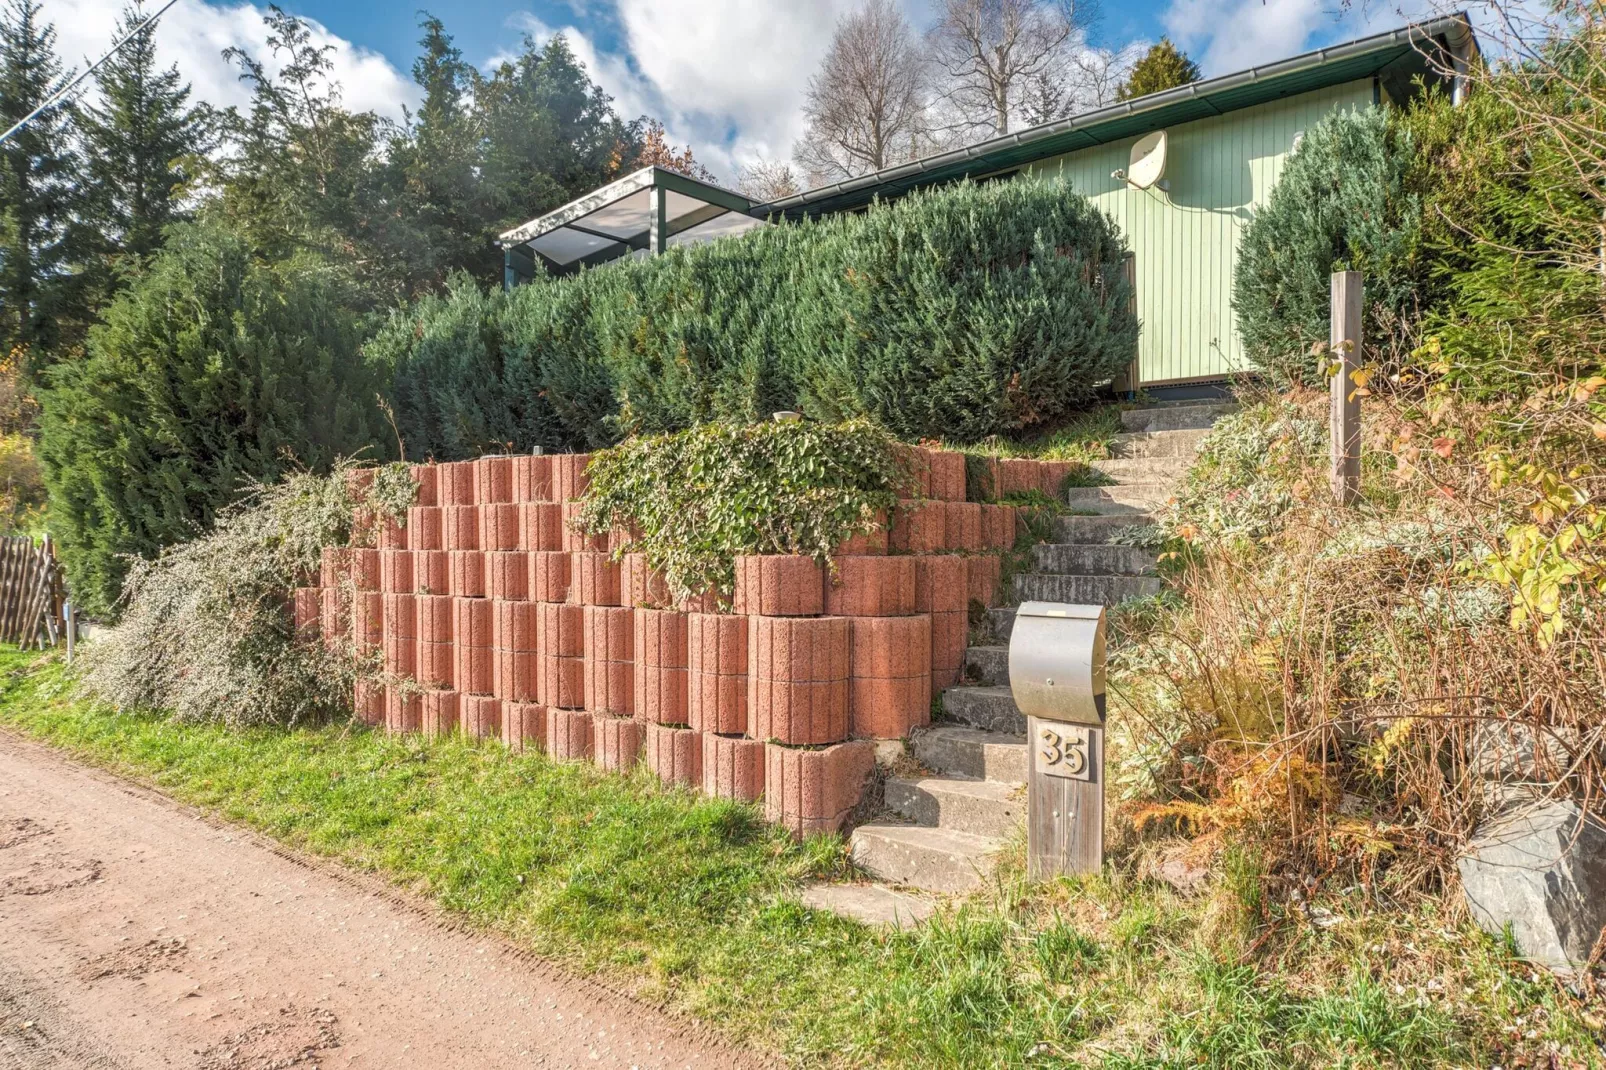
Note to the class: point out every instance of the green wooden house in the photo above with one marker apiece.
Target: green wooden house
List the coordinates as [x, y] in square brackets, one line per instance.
[1226, 140]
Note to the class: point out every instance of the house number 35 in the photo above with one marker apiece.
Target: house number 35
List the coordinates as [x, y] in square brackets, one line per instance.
[1062, 750]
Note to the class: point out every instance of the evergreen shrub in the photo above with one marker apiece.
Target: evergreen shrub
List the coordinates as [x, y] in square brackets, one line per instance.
[1345, 201]
[963, 312]
[213, 371]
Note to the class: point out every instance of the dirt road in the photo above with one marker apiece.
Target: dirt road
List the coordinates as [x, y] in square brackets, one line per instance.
[134, 934]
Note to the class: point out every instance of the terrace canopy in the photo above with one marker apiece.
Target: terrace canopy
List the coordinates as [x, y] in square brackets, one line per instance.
[639, 215]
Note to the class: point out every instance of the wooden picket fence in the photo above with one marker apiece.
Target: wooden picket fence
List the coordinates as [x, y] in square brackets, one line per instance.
[34, 610]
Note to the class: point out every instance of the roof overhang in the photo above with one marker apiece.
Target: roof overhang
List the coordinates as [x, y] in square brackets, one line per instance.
[620, 220]
[1364, 57]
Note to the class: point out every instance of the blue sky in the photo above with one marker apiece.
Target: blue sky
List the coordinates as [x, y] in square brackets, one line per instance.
[726, 76]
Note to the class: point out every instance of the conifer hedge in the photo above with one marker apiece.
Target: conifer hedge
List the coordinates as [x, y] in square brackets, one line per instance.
[965, 312]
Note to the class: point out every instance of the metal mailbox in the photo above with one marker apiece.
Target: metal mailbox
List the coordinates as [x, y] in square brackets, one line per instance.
[1056, 672]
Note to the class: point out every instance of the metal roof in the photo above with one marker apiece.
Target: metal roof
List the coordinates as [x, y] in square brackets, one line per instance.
[1319, 69]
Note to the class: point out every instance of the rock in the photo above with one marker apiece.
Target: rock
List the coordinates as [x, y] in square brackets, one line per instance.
[1541, 870]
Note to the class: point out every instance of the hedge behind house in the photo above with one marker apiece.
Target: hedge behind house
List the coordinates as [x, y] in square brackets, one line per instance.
[965, 312]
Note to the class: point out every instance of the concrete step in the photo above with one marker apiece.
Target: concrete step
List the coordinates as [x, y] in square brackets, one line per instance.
[1001, 622]
[1124, 498]
[1068, 559]
[1158, 443]
[970, 752]
[991, 709]
[1084, 590]
[933, 859]
[1144, 469]
[1195, 416]
[979, 807]
[872, 904]
[1096, 530]
[987, 664]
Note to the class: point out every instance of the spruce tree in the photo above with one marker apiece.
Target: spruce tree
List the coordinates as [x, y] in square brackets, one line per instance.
[1163, 66]
[39, 183]
[141, 143]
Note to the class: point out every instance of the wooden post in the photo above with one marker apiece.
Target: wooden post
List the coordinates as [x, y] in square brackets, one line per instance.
[1064, 798]
[1344, 345]
[72, 629]
[1129, 381]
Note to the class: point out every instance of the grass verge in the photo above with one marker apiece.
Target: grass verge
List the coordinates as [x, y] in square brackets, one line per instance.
[688, 901]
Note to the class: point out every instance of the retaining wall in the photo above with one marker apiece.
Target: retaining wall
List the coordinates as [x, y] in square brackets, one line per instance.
[496, 619]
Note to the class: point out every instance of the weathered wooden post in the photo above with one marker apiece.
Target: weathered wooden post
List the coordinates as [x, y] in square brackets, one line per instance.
[1131, 379]
[1344, 346]
[1056, 672]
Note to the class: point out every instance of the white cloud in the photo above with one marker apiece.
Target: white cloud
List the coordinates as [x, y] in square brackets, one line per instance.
[194, 34]
[1232, 35]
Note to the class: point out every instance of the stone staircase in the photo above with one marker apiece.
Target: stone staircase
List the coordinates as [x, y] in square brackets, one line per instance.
[942, 833]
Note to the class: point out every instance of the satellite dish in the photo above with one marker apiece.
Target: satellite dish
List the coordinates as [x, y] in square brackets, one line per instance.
[1147, 163]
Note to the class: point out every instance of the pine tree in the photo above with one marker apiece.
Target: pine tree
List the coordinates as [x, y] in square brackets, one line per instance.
[1163, 66]
[141, 143]
[39, 182]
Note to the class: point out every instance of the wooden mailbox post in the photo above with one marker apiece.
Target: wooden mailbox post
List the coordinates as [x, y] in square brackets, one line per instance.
[1344, 346]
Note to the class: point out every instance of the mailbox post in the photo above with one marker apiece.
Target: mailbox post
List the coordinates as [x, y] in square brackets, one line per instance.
[1056, 671]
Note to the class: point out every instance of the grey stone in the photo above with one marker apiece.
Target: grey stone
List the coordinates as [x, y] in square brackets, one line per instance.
[1072, 559]
[980, 807]
[1541, 869]
[961, 751]
[1084, 590]
[987, 665]
[1158, 443]
[1120, 499]
[932, 859]
[1175, 417]
[1001, 621]
[990, 708]
[1088, 530]
[1143, 469]
[871, 904]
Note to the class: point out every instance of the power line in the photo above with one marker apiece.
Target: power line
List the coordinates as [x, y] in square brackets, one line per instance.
[70, 86]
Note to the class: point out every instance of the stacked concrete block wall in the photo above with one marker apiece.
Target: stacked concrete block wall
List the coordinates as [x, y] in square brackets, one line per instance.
[492, 616]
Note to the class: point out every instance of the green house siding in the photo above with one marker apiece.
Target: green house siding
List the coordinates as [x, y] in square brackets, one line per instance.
[1186, 242]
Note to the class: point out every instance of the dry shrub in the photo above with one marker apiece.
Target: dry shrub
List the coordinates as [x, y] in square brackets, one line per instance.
[1350, 691]
[206, 630]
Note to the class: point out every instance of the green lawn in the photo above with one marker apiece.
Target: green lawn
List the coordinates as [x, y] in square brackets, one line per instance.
[689, 901]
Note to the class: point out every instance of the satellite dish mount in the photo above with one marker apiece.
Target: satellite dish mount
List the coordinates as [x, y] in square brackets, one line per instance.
[1146, 165]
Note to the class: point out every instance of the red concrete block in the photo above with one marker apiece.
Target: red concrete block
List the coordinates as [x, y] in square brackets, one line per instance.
[440, 713]
[456, 482]
[434, 614]
[659, 638]
[507, 575]
[962, 526]
[619, 539]
[523, 726]
[432, 571]
[480, 716]
[949, 634]
[334, 566]
[358, 480]
[998, 527]
[872, 542]
[716, 703]
[576, 540]
[466, 575]
[560, 682]
[549, 575]
[642, 585]
[940, 584]
[389, 534]
[515, 675]
[594, 579]
[797, 683]
[982, 573]
[334, 616]
[871, 587]
[890, 691]
[568, 734]
[307, 612]
[560, 630]
[426, 477]
[541, 526]
[404, 711]
[493, 479]
[615, 743]
[365, 569]
[400, 656]
[396, 571]
[706, 602]
[472, 669]
[471, 622]
[515, 626]
[460, 527]
[368, 703]
[362, 528]
[367, 622]
[609, 676]
[424, 528]
[436, 664]
[532, 479]
[660, 685]
[890, 646]
[733, 767]
[499, 527]
[610, 687]
[1017, 475]
[1053, 474]
[946, 478]
[779, 585]
[609, 632]
[813, 791]
[569, 479]
[401, 616]
[918, 527]
[675, 754]
[716, 677]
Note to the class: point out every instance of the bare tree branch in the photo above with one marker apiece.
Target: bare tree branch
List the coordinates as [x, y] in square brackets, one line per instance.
[998, 59]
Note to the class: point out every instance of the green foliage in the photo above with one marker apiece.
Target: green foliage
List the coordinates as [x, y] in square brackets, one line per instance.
[699, 498]
[206, 634]
[1164, 66]
[212, 371]
[1344, 202]
[965, 312]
